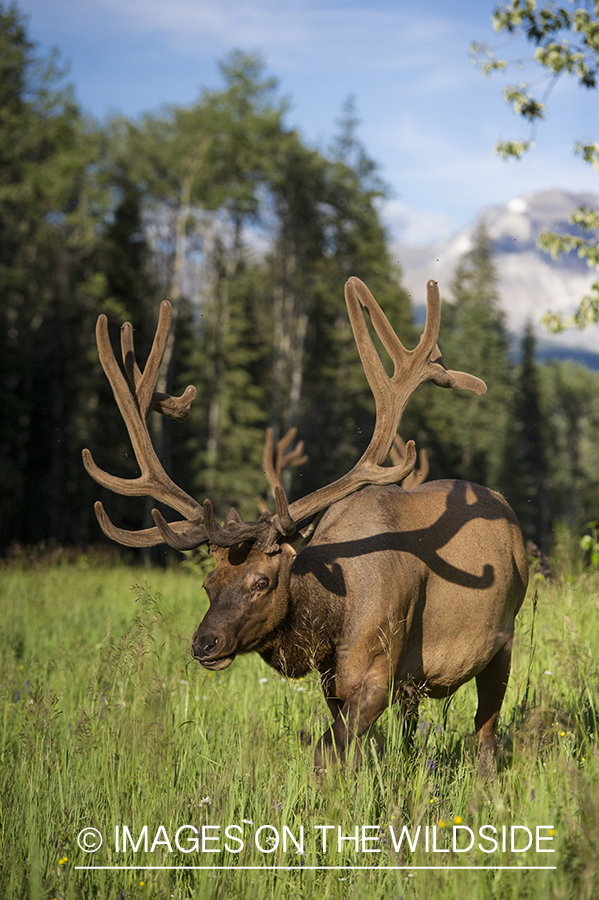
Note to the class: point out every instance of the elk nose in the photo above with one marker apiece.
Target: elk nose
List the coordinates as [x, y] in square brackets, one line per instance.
[203, 646]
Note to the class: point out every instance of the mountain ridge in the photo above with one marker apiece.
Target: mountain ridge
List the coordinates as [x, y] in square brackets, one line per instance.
[530, 281]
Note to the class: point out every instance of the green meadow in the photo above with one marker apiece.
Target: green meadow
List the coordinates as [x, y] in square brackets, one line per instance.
[107, 723]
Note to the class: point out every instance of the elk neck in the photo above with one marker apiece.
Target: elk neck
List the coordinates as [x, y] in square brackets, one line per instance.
[305, 639]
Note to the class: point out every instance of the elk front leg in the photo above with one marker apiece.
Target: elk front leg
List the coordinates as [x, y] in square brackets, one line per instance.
[333, 702]
[363, 707]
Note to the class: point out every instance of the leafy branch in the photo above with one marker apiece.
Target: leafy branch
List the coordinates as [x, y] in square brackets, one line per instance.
[566, 42]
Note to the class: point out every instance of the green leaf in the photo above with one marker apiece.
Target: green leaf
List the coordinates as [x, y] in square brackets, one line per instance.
[516, 149]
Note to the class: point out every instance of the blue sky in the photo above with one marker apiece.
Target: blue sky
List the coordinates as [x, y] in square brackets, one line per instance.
[427, 115]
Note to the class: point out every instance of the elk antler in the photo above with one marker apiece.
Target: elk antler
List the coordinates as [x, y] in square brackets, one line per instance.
[275, 461]
[391, 394]
[135, 408]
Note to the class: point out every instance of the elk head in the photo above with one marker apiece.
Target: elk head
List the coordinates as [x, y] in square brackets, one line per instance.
[248, 592]
[248, 589]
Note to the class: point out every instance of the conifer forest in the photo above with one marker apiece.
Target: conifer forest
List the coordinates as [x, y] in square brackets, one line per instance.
[250, 233]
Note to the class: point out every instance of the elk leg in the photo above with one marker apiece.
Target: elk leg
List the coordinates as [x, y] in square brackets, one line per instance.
[333, 702]
[358, 713]
[409, 703]
[491, 684]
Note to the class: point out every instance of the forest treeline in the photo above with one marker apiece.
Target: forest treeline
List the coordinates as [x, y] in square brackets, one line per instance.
[226, 211]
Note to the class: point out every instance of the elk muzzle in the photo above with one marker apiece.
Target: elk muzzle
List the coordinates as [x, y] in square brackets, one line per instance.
[210, 649]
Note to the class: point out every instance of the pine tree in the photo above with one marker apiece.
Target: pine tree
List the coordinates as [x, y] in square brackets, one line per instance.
[527, 473]
[51, 203]
[571, 398]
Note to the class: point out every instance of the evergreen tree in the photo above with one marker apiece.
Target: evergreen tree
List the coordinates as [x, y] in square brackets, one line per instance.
[51, 201]
[571, 398]
[274, 345]
[201, 168]
[527, 474]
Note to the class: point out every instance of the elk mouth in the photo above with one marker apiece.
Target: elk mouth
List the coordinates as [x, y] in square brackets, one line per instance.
[216, 665]
[210, 650]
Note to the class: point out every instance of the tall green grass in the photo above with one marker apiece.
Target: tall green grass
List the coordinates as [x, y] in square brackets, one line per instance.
[106, 721]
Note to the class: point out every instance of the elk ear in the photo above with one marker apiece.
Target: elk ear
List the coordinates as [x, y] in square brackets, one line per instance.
[289, 547]
[296, 543]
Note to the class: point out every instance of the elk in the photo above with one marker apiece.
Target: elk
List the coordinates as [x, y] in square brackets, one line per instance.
[388, 594]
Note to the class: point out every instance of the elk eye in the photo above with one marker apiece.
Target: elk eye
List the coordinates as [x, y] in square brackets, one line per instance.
[261, 583]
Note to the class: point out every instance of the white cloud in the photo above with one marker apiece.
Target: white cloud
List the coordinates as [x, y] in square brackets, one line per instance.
[263, 22]
[413, 227]
[367, 35]
[441, 168]
[229, 21]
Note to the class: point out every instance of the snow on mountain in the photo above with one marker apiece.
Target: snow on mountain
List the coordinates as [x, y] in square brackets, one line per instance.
[531, 282]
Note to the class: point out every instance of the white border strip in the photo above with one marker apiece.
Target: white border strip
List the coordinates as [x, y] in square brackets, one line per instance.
[314, 868]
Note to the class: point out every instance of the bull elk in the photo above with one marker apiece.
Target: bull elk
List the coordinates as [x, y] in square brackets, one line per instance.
[387, 593]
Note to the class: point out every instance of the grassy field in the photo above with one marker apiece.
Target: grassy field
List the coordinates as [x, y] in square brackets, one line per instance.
[107, 723]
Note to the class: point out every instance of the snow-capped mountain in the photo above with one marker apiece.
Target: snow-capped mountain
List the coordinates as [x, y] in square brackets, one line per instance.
[531, 282]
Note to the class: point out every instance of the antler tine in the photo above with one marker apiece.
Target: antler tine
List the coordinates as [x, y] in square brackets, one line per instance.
[268, 460]
[439, 373]
[398, 450]
[284, 442]
[132, 370]
[391, 394]
[430, 335]
[176, 408]
[186, 535]
[235, 531]
[145, 537]
[295, 457]
[144, 383]
[274, 460]
[153, 481]
[285, 523]
[416, 476]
